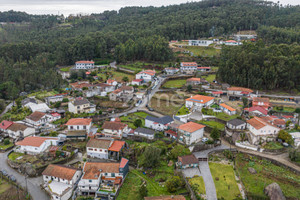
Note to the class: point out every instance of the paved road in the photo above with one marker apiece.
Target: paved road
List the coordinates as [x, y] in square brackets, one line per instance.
[6, 109]
[113, 65]
[33, 184]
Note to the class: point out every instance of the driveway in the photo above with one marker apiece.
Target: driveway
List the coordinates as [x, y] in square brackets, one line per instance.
[33, 184]
[191, 172]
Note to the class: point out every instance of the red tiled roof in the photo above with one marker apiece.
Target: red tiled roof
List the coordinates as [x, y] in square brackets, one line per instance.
[217, 92]
[36, 116]
[170, 132]
[116, 146]
[203, 67]
[257, 108]
[257, 124]
[85, 62]
[92, 170]
[240, 89]
[109, 81]
[194, 79]
[200, 99]
[231, 41]
[33, 141]
[279, 122]
[227, 107]
[80, 85]
[60, 171]
[189, 64]
[191, 127]
[137, 80]
[79, 121]
[5, 124]
[189, 159]
[114, 125]
[55, 114]
[87, 73]
[288, 116]
[123, 162]
[117, 91]
[149, 72]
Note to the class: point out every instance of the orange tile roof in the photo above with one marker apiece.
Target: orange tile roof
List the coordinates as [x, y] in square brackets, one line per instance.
[200, 99]
[92, 170]
[260, 99]
[80, 85]
[33, 141]
[194, 79]
[240, 89]
[189, 64]
[123, 162]
[227, 107]
[60, 171]
[113, 125]
[191, 127]
[149, 72]
[85, 62]
[79, 121]
[5, 124]
[116, 146]
[256, 123]
[110, 81]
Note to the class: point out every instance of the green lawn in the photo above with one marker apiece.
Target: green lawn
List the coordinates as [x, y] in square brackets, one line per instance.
[273, 145]
[14, 155]
[284, 109]
[117, 75]
[213, 124]
[267, 173]
[210, 78]
[129, 119]
[178, 83]
[225, 117]
[183, 111]
[203, 51]
[16, 114]
[226, 184]
[4, 186]
[197, 183]
[43, 94]
[130, 187]
[138, 66]
[65, 69]
[3, 146]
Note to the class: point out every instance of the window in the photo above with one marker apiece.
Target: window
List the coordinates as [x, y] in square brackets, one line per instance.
[95, 149]
[84, 127]
[100, 150]
[105, 150]
[90, 181]
[71, 127]
[112, 174]
[77, 127]
[90, 149]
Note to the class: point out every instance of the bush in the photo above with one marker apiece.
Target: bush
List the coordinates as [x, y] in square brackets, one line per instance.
[285, 136]
[6, 142]
[294, 155]
[174, 183]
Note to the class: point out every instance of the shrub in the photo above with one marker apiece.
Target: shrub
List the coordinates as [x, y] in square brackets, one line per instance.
[6, 141]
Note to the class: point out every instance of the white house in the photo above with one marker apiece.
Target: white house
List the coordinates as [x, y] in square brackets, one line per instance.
[17, 130]
[114, 129]
[158, 124]
[191, 132]
[42, 107]
[236, 124]
[54, 99]
[261, 130]
[203, 43]
[112, 82]
[146, 75]
[171, 70]
[144, 132]
[81, 105]
[79, 124]
[36, 145]
[39, 118]
[137, 82]
[199, 101]
[227, 109]
[60, 180]
[232, 43]
[85, 64]
[188, 67]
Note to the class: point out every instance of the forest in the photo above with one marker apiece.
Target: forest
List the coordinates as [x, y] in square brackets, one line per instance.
[34, 44]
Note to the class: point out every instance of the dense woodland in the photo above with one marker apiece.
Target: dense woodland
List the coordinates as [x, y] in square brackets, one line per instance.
[31, 46]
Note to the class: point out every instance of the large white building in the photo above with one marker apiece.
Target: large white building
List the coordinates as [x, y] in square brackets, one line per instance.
[114, 129]
[18, 130]
[158, 124]
[79, 124]
[81, 105]
[203, 43]
[83, 64]
[191, 132]
[198, 102]
[188, 67]
[41, 119]
[146, 75]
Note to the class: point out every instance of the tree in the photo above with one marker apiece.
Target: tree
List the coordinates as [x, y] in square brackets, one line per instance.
[125, 79]
[178, 150]
[189, 88]
[6, 141]
[138, 123]
[150, 157]
[245, 102]
[174, 183]
[243, 136]
[65, 100]
[215, 134]
[285, 136]
[143, 191]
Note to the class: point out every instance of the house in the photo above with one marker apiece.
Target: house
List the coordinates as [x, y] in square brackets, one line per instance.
[105, 87]
[239, 92]
[86, 88]
[146, 75]
[140, 95]
[280, 123]
[5, 125]
[232, 43]
[188, 161]
[55, 116]
[169, 197]
[60, 180]
[227, 109]
[114, 129]
[137, 82]
[171, 134]
[188, 67]
[27, 101]
[171, 70]
[158, 124]
[41, 107]
[296, 137]
[262, 102]
[217, 93]
[103, 179]
[36, 145]
[111, 82]
[84, 64]
[261, 130]
[124, 93]
[199, 101]
[204, 69]
[104, 148]
[236, 124]
[53, 99]
[256, 111]
[18, 130]
[40, 119]
[203, 43]
[144, 132]
[193, 81]
[79, 124]
[191, 132]
[81, 105]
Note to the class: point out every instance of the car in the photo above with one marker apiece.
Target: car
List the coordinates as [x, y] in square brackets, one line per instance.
[4, 172]
[12, 178]
[204, 139]
[150, 109]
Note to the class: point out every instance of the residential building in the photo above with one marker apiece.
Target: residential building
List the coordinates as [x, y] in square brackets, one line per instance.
[227, 109]
[193, 81]
[83, 64]
[144, 132]
[204, 69]
[124, 93]
[236, 124]
[79, 124]
[171, 134]
[188, 67]
[191, 132]
[146, 75]
[5, 125]
[86, 88]
[60, 180]
[114, 129]
[41, 107]
[261, 130]
[158, 124]
[217, 93]
[81, 105]
[36, 145]
[171, 70]
[103, 179]
[239, 92]
[18, 130]
[169, 197]
[104, 148]
[199, 101]
[296, 137]
[106, 87]
[38, 119]
[188, 161]
[232, 43]
[111, 82]
[53, 99]
[256, 111]
[262, 102]
[203, 43]
[137, 82]
[55, 116]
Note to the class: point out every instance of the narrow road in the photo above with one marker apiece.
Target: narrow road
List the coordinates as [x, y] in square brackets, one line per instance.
[33, 184]
[6, 109]
[113, 65]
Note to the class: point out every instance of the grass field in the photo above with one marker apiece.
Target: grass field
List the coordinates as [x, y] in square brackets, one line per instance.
[213, 124]
[43, 94]
[203, 51]
[273, 145]
[3, 146]
[197, 183]
[14, 155]
[65, 69]
[225, 117]
[129, 119]
[179, 83]
[9, 191]
[224, 180]
[285, 109]
[130, 188]
[210, 78]
[166, 107]
[267, 173]
[117, 75]
[140, 65]
[183, 111]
